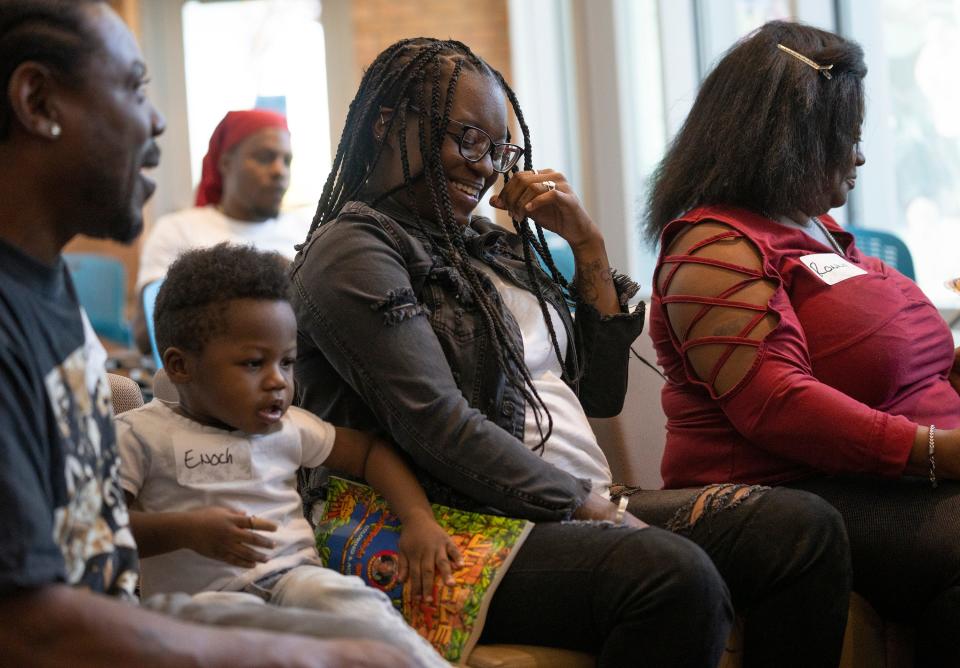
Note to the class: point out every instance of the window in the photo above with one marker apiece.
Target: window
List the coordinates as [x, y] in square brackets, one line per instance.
[720, 24]
[658, 79]
[667, 48]
[638, 64]
[241, 54]
[912, 131]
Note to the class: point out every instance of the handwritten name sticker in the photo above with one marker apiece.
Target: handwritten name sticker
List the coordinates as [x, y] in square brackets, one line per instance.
[200, 463]
[831, 268]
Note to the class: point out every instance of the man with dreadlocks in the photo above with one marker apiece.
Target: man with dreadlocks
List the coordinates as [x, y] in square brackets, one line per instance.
[440, 330]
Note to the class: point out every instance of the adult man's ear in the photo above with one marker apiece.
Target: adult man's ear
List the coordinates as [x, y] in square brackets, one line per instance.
[225, 161]
[33, 100]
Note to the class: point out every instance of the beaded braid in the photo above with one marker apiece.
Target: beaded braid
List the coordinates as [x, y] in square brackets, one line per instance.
[495, 324]
[542, 249]
[454, 248]
[347, 176]
[412, 69]
[529, 244]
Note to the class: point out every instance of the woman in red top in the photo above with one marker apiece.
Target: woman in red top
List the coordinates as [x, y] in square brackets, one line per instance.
[792, 358]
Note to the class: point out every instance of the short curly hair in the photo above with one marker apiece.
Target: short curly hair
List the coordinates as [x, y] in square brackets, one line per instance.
[191, 303]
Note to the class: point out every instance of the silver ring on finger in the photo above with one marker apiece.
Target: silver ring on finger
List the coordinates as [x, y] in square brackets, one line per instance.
[550, 185]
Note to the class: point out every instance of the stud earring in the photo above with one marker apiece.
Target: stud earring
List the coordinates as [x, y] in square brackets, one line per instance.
[55, 129]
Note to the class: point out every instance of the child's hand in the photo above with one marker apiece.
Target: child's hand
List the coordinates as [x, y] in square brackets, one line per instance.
[226, 535]
[426, 551]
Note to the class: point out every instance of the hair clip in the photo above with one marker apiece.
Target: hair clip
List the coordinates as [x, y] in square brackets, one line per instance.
[822, 69]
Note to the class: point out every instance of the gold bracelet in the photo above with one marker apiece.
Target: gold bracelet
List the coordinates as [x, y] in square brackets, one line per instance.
[931, 451]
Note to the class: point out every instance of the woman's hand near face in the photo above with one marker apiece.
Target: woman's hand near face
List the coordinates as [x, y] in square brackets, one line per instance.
[559, 210]
[527, 194]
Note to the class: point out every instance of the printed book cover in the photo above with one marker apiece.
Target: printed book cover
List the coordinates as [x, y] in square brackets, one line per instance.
[357, 535]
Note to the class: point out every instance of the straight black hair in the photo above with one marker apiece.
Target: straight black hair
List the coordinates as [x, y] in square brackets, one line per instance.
[767, 130]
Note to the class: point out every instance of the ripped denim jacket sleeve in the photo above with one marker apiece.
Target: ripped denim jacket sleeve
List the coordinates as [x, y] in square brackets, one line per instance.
[603, 346]
[367, 347]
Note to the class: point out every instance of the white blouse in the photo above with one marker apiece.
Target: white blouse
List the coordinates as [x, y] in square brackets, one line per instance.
[572, 446]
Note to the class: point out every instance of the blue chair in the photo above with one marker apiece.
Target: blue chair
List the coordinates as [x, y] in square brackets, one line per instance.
[150, 291]
[101, 284]
[561, 254]
[886, 246]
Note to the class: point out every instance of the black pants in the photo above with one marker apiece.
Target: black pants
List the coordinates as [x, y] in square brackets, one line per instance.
[784, 556]
[905, 546]
[629, 596]
[651, 597]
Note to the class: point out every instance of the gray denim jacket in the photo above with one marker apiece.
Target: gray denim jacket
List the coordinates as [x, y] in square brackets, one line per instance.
[389, 341]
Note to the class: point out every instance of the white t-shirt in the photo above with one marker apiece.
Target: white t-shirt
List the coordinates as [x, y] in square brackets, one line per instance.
[202, 227]
[171, 463]
[572, 446]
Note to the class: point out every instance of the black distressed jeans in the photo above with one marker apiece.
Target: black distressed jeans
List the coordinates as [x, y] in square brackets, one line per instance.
[630, 596]
[785, 557]
[905, 544]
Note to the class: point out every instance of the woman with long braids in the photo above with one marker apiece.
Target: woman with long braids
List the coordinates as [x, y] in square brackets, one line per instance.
[440, 330]
[791, 357]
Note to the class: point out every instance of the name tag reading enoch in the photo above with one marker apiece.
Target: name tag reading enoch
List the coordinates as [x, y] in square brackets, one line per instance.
[200, 463]
[831, 268]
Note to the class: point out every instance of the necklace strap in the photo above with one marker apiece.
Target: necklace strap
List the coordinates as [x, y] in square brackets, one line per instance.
[830, 237]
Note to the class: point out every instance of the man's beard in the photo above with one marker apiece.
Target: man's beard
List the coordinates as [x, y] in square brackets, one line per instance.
[122, 227]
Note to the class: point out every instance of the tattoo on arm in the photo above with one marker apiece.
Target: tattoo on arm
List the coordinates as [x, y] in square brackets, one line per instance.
[591, 277]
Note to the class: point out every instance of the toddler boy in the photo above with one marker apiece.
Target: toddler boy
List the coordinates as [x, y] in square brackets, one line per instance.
[211, 480]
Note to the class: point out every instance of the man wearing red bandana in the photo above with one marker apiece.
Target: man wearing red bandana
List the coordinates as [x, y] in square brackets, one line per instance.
[246, 172]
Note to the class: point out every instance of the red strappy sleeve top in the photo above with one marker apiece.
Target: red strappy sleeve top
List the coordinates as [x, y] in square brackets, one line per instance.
[858, 359]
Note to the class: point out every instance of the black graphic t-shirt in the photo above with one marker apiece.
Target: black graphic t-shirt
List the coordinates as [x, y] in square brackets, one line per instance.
[63, 514]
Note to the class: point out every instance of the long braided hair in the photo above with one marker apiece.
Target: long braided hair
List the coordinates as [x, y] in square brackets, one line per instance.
[411, 73]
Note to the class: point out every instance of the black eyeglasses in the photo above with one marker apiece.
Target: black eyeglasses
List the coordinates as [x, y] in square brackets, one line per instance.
[474, 145]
